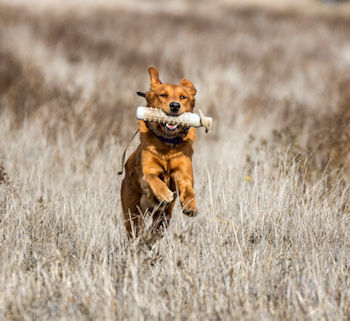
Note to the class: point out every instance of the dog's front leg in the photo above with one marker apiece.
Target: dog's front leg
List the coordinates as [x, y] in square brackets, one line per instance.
[152, 169]
[183, 176]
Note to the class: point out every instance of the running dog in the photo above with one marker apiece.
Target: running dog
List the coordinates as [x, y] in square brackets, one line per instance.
[161, 166]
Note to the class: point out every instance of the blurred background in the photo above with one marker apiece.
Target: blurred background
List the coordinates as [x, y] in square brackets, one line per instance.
[272, 238]
[268, 70]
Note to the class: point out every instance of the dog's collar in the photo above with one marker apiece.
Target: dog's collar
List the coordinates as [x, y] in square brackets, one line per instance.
[176, 140]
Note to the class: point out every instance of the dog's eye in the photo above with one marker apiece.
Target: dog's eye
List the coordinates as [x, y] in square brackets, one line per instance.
[164, 95]
[182, 97]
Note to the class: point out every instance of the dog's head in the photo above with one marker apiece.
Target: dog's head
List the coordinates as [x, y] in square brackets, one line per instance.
[172, 99]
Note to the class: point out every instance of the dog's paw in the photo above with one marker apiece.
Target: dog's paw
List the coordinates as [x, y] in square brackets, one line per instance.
[166, 197]
[192, 212]
[189, 209]
[189, 206]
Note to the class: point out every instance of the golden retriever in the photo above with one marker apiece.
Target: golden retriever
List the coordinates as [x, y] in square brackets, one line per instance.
[161, 166]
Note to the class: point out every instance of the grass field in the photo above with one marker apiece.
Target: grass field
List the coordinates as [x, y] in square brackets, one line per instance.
[272, 240]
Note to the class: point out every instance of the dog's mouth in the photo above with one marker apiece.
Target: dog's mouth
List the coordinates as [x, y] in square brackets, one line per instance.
[170, 127]
[168, 131]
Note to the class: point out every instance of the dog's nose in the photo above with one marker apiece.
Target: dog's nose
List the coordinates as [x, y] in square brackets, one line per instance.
[174, 107]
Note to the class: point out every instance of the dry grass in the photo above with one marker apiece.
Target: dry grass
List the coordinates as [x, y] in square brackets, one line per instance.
[272, 240]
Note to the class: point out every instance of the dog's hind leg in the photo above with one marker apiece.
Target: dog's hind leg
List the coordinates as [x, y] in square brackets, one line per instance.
[161, 218]
[133, 219]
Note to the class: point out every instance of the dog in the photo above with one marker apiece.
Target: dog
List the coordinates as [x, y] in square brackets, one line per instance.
[161, 166]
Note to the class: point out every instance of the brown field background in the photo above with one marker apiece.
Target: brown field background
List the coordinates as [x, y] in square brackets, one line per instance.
[272, 240]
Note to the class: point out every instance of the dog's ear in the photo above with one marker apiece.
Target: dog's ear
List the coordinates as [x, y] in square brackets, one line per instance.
[187, 83]
[154, 74]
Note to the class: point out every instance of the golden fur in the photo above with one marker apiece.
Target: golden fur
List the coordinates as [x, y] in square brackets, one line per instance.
[160, 168]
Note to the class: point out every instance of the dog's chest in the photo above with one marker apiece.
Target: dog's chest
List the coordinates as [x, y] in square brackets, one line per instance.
[165, 161]
[165, 177]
